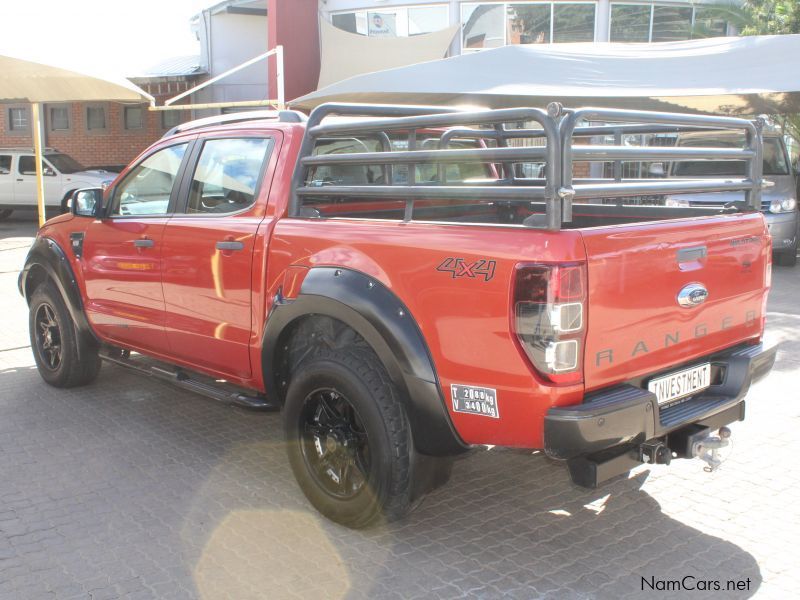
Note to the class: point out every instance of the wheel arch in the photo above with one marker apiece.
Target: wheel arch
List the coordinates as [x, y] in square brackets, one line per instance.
[47, 261]
[375, 313]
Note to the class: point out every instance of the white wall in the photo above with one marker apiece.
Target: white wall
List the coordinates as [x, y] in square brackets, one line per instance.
[228, 40]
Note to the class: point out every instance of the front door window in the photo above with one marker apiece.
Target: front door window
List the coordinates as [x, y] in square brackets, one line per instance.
[146, 190]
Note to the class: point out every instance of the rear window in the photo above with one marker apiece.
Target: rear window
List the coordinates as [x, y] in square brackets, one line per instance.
[775, 162]
[374, 175]
[377, 175]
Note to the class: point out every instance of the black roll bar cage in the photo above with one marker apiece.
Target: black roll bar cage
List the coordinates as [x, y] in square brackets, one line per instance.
[559, 128]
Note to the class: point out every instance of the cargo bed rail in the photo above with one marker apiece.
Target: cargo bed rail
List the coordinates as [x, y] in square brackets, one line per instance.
[553, 135]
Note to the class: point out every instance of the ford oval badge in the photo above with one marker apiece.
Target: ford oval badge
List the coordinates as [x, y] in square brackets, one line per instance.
[693, 294]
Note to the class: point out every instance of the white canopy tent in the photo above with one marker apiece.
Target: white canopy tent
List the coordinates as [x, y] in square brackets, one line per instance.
[344, 54]
[730, 75]
[26, 81]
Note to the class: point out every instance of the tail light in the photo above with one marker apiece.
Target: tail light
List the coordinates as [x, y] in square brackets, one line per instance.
[550, 318]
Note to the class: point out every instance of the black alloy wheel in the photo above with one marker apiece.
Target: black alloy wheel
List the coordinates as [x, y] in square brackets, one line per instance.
[64, 357]
[48, 337]
[335, 444]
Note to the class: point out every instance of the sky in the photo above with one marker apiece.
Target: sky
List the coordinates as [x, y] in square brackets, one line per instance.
[116, 37]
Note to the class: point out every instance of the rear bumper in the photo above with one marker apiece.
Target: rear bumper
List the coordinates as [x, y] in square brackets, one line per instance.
[627, 414]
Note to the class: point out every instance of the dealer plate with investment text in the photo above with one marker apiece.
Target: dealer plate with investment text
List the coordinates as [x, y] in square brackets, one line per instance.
[681, 384]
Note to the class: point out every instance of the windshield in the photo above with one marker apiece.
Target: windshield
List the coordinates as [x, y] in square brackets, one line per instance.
[64, 164]
[774, 160]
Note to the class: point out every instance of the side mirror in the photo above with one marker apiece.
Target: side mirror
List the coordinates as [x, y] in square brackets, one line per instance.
[87, 202]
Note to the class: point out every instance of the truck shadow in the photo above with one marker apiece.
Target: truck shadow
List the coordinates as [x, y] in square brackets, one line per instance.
[192, 499]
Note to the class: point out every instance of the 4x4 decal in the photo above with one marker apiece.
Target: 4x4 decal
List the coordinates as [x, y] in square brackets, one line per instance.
[458, 267]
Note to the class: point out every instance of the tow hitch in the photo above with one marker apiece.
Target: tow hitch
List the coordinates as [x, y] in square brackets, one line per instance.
[707, 449]
[694, 441]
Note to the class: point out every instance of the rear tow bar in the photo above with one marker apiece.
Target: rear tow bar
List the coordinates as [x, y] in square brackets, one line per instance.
[695, 441]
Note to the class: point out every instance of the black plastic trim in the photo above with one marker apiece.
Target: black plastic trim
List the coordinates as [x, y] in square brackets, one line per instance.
[47, 257]
[377, 315]
[629, 414]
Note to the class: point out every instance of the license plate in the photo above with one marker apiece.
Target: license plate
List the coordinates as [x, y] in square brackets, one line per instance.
[681, 384]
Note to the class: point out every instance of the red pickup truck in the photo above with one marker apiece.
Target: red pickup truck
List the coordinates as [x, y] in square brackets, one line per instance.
[408, 282]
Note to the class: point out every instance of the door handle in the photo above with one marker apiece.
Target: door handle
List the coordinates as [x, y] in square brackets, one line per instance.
[144, 243]
[20, 180]
[230, 246]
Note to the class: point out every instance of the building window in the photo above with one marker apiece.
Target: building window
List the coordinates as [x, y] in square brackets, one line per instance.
[528, 24]
[709, 21]
[638, 22]
[95, 118]
[671, 23]
[573, 23]
[486, 25]
[171, 118]
[59, 118]
[394, 22]
[630, 23]
[18, 119]
[134, 117]
[483, 25]
[427, 19]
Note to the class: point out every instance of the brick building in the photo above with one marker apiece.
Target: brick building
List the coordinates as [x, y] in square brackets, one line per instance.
[106, 134]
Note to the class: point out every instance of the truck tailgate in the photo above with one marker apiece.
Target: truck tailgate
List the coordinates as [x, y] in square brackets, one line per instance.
[636, 326]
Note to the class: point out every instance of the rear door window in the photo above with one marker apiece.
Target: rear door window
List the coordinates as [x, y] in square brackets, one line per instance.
[27, 166]
[227, 175]
[5, 164]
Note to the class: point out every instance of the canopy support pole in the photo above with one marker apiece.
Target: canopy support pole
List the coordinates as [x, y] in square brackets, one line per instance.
[38, 159]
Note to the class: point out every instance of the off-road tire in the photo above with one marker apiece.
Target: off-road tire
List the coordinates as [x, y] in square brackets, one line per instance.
[358, 376]
[78, 363]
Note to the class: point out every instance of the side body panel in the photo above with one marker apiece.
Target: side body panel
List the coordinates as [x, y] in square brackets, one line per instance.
[124, 298]
[463, 313]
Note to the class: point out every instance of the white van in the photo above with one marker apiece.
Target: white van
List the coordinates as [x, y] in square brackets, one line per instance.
[62, 176]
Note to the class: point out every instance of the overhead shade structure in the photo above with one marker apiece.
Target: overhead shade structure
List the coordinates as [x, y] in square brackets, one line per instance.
[344, 54]
[35, 83]
[730, 75]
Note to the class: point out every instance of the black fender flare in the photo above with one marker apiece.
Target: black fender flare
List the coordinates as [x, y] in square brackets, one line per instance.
[374, 312]
[47, 260]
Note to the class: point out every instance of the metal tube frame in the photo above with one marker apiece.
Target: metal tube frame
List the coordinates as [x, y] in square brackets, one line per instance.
[559, 128]
[752, 154]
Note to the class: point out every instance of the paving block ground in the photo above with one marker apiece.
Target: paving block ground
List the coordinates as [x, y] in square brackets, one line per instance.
[133, 489]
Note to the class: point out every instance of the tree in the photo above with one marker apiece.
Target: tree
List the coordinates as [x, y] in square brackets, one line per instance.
[774, 17]
[771, 17]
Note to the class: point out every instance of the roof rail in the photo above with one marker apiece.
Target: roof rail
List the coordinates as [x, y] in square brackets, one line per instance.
[282, 116]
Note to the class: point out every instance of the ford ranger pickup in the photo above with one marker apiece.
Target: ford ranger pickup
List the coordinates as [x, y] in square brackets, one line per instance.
[406, 283]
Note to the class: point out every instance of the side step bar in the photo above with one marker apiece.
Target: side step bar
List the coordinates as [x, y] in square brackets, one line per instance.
[183, 379]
